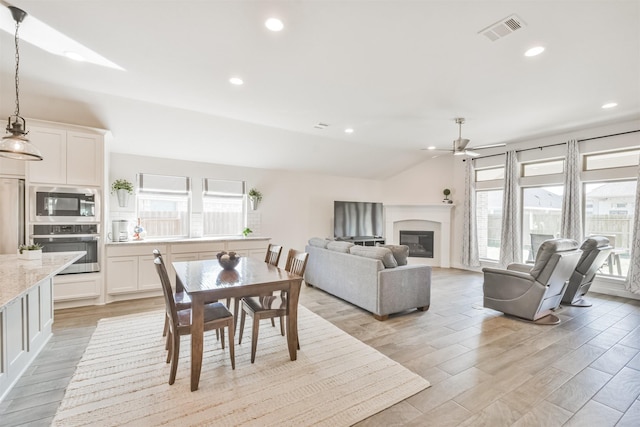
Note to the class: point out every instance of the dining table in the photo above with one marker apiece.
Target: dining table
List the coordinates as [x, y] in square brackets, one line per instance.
[206, 280]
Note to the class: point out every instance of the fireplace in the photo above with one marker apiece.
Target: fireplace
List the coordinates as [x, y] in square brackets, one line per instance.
[420, 242]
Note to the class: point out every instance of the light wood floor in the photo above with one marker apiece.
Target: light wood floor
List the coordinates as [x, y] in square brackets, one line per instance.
[485, 368]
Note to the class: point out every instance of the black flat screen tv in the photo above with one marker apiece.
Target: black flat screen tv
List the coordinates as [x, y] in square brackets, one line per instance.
[357, 220]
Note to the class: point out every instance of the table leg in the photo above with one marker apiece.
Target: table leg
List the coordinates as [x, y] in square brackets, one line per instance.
[197, 337]
[292, 318]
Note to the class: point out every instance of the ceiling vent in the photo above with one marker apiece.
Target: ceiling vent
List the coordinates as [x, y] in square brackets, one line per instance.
[503, 28]
[321, 126]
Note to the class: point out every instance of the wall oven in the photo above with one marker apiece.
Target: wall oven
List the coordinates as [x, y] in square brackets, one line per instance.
[64, 204]
[71, 237]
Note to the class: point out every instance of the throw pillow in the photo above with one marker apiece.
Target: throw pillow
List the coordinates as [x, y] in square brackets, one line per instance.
[339, 246]
[400, 252]
[382, 254]
[318, 242]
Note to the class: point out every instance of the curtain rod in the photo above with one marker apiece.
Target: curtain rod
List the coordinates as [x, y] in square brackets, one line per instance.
[560, 143]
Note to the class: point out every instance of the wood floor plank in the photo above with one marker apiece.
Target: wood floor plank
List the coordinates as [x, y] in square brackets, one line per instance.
[621, 391]
[579, 389]
[594, 414]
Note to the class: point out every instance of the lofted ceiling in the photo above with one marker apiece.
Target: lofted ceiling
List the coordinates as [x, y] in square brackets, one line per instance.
[398, 72]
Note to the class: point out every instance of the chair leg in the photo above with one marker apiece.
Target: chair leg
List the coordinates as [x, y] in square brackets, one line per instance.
[242, 316]
[273, 323]
[221, 336]
[169, 346]
[232, 354]
[175, 355]
[254, 336]
[166, 325]
[236, 311]
[281, 325]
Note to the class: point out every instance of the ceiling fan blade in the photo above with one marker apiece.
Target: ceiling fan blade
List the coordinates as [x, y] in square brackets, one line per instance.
[471, 153]
[482, 147]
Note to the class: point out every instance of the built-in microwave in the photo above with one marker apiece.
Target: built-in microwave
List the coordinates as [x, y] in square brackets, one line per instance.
[64, 204]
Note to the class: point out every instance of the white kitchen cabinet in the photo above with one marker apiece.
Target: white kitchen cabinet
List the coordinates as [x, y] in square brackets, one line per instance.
[130, 268]
[68, 287]
[252, 248]
[69, 157]
[12, 167]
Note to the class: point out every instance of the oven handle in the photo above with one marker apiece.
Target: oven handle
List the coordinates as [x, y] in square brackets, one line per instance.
[63, 236]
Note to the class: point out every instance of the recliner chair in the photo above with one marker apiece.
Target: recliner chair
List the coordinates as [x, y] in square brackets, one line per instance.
[595, 251]
[533, 292]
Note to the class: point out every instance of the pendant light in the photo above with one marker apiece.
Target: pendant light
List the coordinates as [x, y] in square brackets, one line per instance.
[16, 145]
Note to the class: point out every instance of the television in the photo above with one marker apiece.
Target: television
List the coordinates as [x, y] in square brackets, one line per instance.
[357, 220]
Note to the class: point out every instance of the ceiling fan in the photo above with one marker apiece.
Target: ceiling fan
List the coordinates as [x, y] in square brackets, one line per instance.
[460, 144]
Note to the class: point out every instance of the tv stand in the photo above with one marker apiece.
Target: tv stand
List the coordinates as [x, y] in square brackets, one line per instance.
[363, 240]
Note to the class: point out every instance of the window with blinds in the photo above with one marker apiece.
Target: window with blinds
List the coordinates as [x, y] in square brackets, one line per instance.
[223, 207]
[164, 205]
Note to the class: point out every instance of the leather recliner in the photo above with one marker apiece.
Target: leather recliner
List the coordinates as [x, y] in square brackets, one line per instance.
[595, 251]
[533, 292]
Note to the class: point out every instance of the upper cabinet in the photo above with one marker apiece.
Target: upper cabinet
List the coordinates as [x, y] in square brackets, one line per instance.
[11, 167]
[69, 157]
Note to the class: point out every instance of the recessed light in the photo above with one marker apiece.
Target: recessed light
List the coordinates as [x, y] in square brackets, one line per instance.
[74, 55]
[274, 24]
[534, 51]
[236, 81]
[431, 148]
[348, 130]
[610, 105]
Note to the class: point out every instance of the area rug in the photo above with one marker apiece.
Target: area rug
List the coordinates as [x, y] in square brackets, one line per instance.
[337, 380]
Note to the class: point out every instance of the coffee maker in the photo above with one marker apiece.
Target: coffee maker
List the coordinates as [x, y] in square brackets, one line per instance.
[119, 231]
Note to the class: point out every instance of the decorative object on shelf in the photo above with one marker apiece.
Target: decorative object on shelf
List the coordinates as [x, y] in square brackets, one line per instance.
[138, 231]
[246, 232]
[122, 188]
[255, 197]
[228, 260]
[446, 193]
[16, 145]
[30, 252]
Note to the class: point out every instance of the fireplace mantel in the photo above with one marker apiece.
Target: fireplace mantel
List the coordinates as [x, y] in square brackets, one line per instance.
[439, 213]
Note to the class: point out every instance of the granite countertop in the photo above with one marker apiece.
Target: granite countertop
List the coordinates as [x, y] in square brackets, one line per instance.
[186, 240]
[17, 276]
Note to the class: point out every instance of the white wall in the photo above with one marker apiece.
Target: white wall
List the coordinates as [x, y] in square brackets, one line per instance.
[295, 206]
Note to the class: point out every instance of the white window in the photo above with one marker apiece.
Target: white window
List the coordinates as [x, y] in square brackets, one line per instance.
[163, 205]
[543, 168]
[604, 218]
[615, 159]
[223, 207]
[489, 223]
[541, 217]
[489, 174]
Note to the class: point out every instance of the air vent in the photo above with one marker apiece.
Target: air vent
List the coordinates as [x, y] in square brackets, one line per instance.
[321, 126]
[503, 28]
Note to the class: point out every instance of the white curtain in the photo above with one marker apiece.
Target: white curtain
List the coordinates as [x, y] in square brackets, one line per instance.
[633, 277]
[470, 255]
[571, 222]
[511, 240]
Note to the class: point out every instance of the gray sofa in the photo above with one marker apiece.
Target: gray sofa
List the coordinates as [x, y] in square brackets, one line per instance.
[364, 281]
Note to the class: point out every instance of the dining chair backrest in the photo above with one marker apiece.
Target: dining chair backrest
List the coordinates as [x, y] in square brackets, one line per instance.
[273, 254]
[170, 303]
[296, 262]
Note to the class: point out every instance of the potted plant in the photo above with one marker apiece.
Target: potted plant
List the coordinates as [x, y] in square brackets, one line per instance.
[246, 232]
[30, 252]
[446, 193]
[255, 197]
[122, 188]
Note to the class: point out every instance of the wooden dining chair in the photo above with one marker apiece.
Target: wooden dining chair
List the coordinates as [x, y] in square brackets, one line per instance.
[216, 316]
[270, 306]
[180, 297]
[273, 254]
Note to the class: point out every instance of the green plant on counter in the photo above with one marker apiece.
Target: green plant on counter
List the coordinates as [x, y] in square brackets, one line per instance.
[34, 247]
[121, 184]
[247, 231]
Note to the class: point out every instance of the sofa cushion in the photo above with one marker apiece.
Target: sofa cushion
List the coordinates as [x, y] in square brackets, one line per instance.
[400, 252]
[383, 254]
[319, 242]
[339, 246]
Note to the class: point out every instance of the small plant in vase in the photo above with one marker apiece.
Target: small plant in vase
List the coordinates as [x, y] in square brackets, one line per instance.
[246, 232]
[255, 197]
[446, 193]
[122, 188]
[33, 251]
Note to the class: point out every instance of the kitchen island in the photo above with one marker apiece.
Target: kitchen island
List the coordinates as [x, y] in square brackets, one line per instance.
[26, 310]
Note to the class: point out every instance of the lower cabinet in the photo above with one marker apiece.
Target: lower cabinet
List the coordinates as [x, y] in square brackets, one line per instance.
[25, 327]
[130, 271]
[70, 287]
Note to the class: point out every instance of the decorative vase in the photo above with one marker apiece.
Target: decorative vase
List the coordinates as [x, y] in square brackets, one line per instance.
[123, 197]
[254, 203]
[30, 255]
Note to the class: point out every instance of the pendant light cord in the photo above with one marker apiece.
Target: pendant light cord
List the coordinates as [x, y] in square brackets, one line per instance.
[17, 69]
